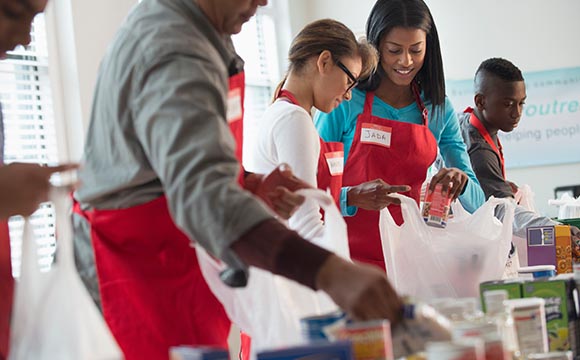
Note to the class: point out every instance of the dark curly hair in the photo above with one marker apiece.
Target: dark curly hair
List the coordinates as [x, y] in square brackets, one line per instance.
[502, 68]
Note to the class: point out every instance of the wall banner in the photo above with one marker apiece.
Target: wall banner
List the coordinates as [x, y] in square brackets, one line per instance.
[549, 130]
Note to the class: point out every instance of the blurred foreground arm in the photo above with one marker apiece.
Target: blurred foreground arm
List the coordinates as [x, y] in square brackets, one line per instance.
[24, 186]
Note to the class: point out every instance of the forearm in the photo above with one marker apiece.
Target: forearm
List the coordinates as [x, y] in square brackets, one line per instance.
[524, 219]
[472, 197]
[271, 246]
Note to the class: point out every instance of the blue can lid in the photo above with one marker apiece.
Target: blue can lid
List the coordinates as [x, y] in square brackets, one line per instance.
[543, 274]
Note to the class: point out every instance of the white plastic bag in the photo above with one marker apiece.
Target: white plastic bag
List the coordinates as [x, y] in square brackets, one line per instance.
[427, 262]
[54, 316]
[525, 198]
[569, 208]
[270, 307]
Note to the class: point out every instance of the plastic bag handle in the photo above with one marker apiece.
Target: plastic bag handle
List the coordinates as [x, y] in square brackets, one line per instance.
[61, 200]
[322, 198]
[411, 215]
[331, 214]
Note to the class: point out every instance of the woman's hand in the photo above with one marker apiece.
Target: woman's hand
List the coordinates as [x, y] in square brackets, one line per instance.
[374, 195]
[452, 180]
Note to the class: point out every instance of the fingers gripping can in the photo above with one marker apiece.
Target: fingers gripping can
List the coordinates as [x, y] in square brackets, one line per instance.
[436, 207]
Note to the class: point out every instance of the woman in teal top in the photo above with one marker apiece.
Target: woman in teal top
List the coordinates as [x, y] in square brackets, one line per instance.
[340, 125]
[397, 122]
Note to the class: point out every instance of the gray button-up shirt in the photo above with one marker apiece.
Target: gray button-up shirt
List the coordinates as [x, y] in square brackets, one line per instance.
[158, 126]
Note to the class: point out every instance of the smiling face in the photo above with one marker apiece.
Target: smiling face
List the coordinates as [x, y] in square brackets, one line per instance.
[334, 84]
[16, 18]
[501, 103]
[402, 54]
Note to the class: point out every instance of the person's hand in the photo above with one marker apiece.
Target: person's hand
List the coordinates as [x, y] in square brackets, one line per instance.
[277, 190]
[24, 186]
[374, 195]
[361, 290]
[452, 180]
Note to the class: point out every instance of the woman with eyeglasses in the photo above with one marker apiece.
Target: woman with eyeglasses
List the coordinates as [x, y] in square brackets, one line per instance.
[325, 63]
[398, 120]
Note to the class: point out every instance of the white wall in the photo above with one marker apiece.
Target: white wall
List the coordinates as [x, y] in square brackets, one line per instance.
[79, 33]
[534, 34]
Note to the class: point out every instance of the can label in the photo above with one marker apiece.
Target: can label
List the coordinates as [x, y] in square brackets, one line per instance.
[436, 207]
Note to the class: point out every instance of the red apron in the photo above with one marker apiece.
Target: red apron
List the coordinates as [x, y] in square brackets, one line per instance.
[153, 294]
[474, 120]
[330, 168]
[6, 289]
[397, 152]
[330, 160]
[235, 111]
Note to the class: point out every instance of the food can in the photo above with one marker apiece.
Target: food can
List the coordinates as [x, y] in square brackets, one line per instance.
[436, 207]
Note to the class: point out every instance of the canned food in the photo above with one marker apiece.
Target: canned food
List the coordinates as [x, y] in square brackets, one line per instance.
[436, 207]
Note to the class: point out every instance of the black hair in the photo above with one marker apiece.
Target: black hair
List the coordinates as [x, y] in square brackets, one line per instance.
[388, 14]
[502, 68]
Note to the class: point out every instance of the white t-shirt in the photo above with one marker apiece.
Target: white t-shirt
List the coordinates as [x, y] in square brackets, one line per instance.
[286, 134]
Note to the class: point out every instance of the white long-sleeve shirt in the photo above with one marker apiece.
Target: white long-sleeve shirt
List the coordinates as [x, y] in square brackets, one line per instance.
[287, 135]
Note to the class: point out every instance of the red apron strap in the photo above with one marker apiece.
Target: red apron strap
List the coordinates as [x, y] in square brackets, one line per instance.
[368, 107]
[288, 95]
[6, 289]
[419, 101]
[473, 120]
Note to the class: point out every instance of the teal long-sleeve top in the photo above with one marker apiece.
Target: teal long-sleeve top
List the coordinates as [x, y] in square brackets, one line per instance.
[340, 125]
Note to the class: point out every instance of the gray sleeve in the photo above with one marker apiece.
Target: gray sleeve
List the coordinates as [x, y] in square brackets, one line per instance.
[523, 219]
[179, 119]
[85, 257]
[487, 168]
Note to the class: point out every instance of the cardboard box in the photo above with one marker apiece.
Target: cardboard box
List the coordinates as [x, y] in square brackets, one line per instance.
[512, 286]
[198, 353]
[371, 340]
[561, 316]
[340, 350]
[550, 245]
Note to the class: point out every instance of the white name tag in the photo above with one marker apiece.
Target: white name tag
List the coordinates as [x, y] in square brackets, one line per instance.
[335, 161]
[376, 134]
[234, 109]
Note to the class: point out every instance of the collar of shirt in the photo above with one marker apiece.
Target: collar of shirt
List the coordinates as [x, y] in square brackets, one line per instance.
[227, 51]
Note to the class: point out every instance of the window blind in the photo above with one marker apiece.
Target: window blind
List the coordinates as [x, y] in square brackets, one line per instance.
[29, 129]
[257, 45]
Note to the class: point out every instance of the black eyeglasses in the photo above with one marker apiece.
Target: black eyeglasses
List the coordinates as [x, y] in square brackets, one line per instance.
[342, 67]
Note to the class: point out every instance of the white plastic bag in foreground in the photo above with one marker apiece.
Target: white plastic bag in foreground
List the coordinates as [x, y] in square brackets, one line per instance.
[427, 262]
[269, 308]
[54, 317]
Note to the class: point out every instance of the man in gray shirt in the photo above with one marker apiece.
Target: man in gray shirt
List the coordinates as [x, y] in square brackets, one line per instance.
[158, 129]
